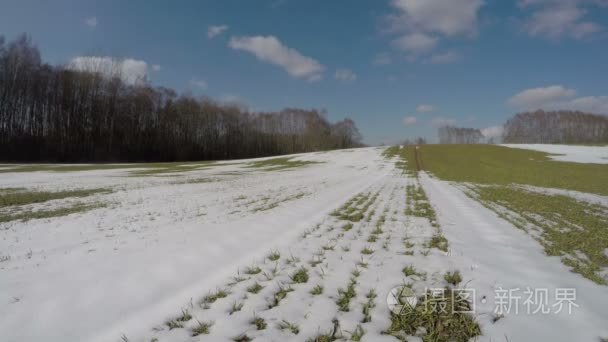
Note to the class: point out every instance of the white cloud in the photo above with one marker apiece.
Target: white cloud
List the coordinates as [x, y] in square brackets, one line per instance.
[538, 97]
[91, 22]
[593, 104]
[425, 108]
[554, 19]
[558, 97]
[492, 132]
[415, 43]
[214, 31]
[424, 23]
[441, 121]
[382, 58]
[445, 58]
[345, 75]
[130, 70]
[269, 49]
[198, 83]
[156, 67]
[448, 18]
[409, 120]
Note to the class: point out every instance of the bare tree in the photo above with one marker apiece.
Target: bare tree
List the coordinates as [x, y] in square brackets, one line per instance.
[458, 135]
[557, 127]
[91, 113]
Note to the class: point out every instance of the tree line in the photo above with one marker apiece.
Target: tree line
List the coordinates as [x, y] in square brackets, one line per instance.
[459, 135]
[556, 127]
[538, 127]
[58, 113]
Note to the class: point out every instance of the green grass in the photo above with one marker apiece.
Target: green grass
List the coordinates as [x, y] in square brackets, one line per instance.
[410, 271]
[300, 276]
[357, 334]
[185, 316]
[255, 288]
[490, 164]
[573, 230]
[368, 306]
[251, 270]
[280, 295]
[568, 227]
[202, 328]
[214, 296]
[155, 169]
[278, 164]
[355, 208]
[317, 290]
[286, 325]
[417, 204]
[327, 337]
[42, 214]
[268, 203]
[407, 161]
[179, 321]
[242, 338]
[274, 256]
[438, 241]
[440, 325]
[259, 322]
[367, 251]
[346, 295]
[453, 278]
[236, 307]
[16, 197]
[149, 168]
[174, 324]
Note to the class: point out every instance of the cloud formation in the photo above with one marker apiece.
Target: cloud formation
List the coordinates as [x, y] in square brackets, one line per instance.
[270, 50]
[425, 108]
[447, 18]
[131, 71]
[345, 75]
[214, 31]
[558, 97]
[422, 23]
[537, 97]
[415, 43]
[91, 22]
[554, 19]
[409, 120]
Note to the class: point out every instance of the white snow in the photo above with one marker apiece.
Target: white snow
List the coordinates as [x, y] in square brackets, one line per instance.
[159, 247]
[570, 153]
[492, 253]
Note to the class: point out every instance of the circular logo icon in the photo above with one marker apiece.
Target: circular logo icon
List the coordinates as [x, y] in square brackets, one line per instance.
[400, 299]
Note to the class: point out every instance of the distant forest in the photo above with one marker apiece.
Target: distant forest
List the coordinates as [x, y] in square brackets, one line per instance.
[559, 127]
[58, 114]
[458, 135]
[539, 127]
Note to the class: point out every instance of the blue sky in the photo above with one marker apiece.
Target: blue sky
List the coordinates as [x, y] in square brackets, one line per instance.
[399, 68]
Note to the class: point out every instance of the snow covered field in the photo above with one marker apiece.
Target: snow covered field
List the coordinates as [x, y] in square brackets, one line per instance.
[572, 153]
[234, 246]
